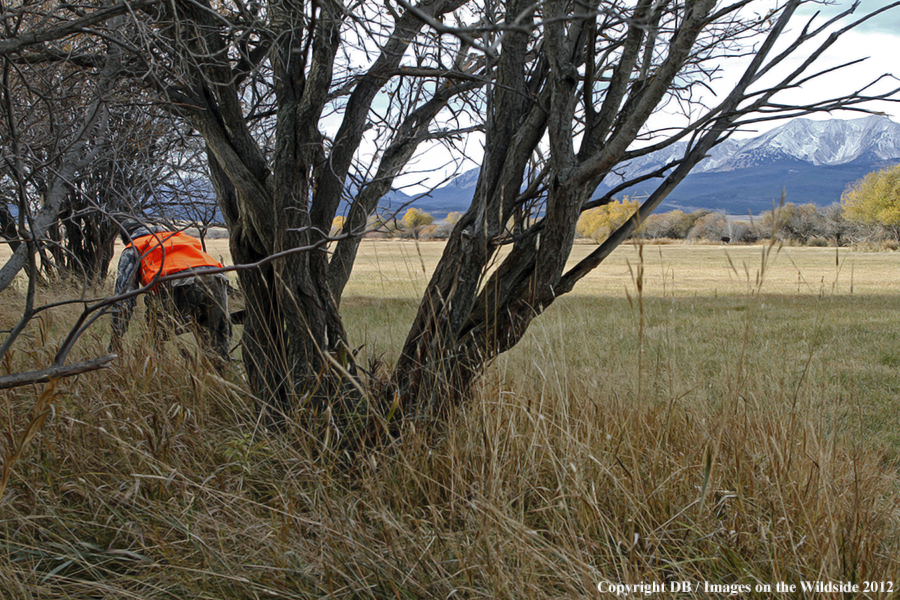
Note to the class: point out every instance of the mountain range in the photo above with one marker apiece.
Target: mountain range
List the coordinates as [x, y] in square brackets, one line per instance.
[812, 161]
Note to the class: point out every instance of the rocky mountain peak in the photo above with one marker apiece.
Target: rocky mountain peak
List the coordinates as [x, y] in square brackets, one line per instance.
[832, 142]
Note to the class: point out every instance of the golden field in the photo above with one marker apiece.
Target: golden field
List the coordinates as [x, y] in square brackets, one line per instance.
[400, 269]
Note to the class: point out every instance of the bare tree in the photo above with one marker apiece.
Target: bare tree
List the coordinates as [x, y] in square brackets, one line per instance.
[576, 84]
[141, 170]
[255, 82]
[81, 147]
[42, 162]
[131, 169]
[44, 159]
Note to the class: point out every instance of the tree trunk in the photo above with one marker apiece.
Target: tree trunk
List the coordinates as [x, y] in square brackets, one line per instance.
[292, 325]
[89, 239]
[294, 341]
[467, 317]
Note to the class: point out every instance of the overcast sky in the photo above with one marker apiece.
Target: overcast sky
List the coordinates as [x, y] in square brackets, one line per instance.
[888, 22]
[876, 40]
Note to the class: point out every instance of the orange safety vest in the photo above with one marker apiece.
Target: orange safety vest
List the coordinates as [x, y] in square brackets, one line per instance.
[181, 252]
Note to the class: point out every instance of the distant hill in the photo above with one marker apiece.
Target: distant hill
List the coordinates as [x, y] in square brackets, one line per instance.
[813, 161]
[454, 196]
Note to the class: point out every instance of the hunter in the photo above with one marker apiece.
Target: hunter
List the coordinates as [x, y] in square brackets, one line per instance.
[198, 302]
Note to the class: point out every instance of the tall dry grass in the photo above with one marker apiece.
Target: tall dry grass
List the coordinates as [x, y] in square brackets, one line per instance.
[670, 439]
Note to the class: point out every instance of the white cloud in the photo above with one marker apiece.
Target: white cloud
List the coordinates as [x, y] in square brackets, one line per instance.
[877, 46]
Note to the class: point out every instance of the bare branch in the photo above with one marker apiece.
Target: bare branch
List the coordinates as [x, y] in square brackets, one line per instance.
[66, 28]
[55, 372]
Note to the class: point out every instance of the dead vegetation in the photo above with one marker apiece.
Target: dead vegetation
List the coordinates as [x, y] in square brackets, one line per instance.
[731, 440]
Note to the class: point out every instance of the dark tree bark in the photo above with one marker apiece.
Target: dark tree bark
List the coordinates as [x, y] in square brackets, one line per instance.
[8, 227]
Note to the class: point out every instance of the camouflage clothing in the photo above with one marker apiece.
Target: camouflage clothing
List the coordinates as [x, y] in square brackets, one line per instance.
[176, 306]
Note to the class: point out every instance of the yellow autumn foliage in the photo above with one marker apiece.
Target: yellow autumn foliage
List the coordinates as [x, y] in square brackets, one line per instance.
[598, 223]
[874, 199]
[415, 218]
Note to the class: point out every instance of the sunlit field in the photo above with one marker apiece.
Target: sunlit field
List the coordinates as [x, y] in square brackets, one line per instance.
[736, 422]
[399, 269]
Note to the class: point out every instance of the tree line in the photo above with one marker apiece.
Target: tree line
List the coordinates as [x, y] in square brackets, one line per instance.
[869, 213]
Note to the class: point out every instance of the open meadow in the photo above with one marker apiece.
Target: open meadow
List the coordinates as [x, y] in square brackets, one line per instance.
[690, 413]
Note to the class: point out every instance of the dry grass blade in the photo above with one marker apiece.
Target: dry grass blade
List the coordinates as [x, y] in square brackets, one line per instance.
[16, 448]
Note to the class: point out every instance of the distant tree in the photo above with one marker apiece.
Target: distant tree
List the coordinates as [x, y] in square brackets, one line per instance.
[337, 224]
[843, 231]
[875, 200]
[686, 222]
[598, 223]
[431, 232]
[674, 224]
[798, 222]
[710, 227]
[742, 232]
[384, 224]
[415, 219]
[659, 225]
[716, 227]
[453, 217]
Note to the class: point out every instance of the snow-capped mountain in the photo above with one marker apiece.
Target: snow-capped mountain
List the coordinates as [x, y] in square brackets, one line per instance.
[812, 161]
[833, 142]
[816, 143]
